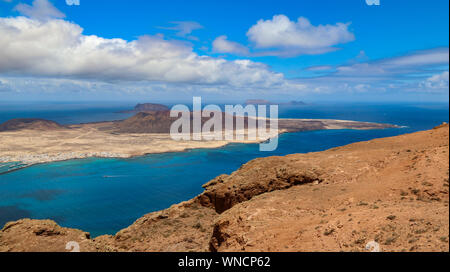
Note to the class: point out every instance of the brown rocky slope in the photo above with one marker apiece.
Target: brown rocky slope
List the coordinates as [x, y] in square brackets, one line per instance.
[393, 191]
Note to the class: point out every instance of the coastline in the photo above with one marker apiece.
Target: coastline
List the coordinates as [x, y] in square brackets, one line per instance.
[97, 140]
[108, 157]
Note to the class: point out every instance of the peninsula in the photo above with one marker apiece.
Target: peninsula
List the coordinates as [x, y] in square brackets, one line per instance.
[34, 141]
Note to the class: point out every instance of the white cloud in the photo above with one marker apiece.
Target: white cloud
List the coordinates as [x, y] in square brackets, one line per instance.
[300, 37]
[319, 68]
[421, 58]
[66, 89]
[362, 87]
[439, 81]
[415, 62]
[40, 10]
[53, 56]
[284, 38]
[57, 48]
[222, 45]
[408, 73]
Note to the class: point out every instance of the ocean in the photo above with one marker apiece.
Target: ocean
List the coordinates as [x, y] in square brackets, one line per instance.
[102, 196]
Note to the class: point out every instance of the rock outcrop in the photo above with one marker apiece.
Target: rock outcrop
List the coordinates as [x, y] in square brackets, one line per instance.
[393, 191]
[251, 180]
[37, 236]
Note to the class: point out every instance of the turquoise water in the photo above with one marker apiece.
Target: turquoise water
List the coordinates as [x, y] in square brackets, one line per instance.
[102, 196]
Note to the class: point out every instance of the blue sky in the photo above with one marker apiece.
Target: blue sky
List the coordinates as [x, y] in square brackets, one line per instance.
[337, 50]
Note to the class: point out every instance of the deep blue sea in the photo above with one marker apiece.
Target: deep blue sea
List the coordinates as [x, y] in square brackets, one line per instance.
[102, 196]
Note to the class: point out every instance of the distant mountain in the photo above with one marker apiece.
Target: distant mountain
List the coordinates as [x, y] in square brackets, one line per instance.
[157, 122]
[296, 103]
[148, 107]
[30, 123]
[146, 122]
[258, 102]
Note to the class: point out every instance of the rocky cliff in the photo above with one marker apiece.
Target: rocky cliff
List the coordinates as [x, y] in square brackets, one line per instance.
[393, 191]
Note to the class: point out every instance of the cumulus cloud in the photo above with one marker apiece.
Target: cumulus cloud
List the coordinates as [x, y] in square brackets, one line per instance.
[57, 48]
[282, 37]
[42, 54]
[40, 10]
[411, 79]
[300, 37]
[222, 45]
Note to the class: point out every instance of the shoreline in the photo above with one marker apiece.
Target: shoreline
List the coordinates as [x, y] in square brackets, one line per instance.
[141, 155]
[125, 157]
[97, 157]
[97, 140]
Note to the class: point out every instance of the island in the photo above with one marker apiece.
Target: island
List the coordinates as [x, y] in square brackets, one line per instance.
[147, 107]
[25, 142]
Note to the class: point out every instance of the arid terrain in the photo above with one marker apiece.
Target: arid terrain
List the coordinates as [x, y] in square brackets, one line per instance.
[32, 141]
[393, 191]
